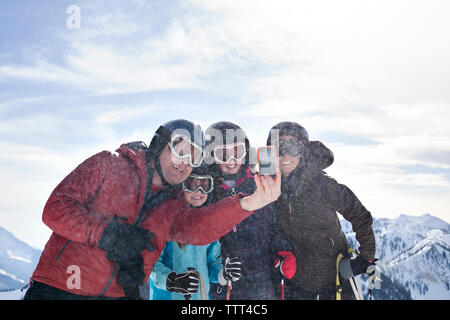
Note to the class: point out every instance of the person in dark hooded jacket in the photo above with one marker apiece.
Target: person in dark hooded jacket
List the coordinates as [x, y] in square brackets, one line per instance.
[257, 240]
[307, 214]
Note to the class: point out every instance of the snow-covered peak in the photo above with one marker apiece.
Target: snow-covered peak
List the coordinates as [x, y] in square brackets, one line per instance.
[17, 261]
[433, 238]
[421, 223]
[413, 254]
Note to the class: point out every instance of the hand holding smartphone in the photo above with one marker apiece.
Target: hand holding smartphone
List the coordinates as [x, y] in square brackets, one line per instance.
[268, 182]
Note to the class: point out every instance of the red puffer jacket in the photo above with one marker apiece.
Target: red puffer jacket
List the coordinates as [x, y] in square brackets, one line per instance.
[82, 205]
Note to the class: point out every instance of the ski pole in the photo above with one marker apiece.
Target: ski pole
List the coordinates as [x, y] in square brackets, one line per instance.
[356, 288]
[228, 290]
[282, 289]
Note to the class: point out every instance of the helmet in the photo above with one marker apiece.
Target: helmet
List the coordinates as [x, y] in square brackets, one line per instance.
[225, 133]
[172, 132]
[294, 147]
[183, 127]
[287, 128]
[315, 153]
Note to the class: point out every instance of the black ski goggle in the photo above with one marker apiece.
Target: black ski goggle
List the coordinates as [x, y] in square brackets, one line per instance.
[293, 147]
[197, 182]
[183, 147]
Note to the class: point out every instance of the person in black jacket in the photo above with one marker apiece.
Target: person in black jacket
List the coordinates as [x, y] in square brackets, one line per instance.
[256, 241]
[307, 214]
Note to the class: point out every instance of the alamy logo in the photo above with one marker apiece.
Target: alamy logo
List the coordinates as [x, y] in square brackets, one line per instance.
[74, 280]
[74, 20]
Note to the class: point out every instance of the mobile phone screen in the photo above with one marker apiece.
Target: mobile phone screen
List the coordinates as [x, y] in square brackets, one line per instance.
[267, 161]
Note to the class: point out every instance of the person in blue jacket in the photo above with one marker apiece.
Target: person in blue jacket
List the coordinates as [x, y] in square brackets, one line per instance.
[187, 270]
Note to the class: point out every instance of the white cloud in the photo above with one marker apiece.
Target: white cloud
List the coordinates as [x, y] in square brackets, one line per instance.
[9, 104]
[114, 53]
[119, 115]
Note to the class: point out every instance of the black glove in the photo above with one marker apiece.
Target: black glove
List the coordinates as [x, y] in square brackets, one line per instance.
[131, 275]
[232, 270]
[352, 267]
[125, 241]
[184, 283]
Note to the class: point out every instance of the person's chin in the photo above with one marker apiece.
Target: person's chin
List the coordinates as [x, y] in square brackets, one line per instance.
[286, 171]
[197, 203]
[231, 170]
[177, 174]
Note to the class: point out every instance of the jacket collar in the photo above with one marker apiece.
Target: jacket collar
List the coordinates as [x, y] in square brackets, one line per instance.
[136, 156]
[248, 175]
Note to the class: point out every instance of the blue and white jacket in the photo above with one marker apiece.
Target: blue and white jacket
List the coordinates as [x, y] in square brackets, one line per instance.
[205, 259]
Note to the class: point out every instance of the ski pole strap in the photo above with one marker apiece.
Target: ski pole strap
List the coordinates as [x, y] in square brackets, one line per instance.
[338, 281]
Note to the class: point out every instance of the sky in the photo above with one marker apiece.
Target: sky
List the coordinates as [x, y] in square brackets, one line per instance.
[370, 79]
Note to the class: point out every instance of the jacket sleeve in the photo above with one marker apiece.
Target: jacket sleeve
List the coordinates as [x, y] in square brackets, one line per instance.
[348, 205]
[201, 226]
[160, 271]
[67, 212]
[214, 261]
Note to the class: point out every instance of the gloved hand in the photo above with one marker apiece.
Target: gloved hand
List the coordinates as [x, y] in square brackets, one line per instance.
[287, 263]
[124, 241]
[352, 267]
[131, 275]
[184, 283]
[232, 270]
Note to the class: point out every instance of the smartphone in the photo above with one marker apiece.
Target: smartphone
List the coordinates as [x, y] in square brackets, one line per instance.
[267, 161]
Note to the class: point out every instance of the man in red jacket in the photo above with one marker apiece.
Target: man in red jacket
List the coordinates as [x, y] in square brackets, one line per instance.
[113, 214]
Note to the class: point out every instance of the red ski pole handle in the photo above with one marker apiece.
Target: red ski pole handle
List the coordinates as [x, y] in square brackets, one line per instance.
[282, 289]
[228, 290]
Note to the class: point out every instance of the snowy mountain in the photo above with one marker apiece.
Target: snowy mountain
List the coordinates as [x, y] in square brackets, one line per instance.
[413, 255]
[17, 262]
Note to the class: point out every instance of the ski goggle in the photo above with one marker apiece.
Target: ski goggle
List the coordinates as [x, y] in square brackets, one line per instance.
[182, 147]
[196, 182]
[293, 147]
[227, 152]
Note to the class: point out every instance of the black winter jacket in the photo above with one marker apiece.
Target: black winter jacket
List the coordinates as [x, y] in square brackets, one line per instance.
[256, 240]
[307, 214]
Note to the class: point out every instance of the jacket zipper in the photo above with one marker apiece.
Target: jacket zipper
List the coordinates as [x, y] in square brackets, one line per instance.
[233, 193]
[110, 279]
